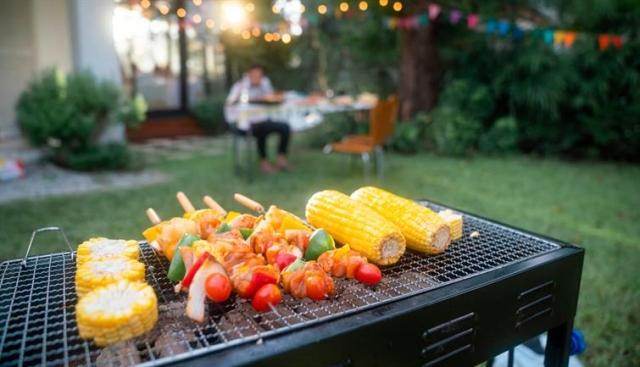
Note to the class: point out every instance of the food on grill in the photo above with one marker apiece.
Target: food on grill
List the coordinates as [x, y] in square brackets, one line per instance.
[282, 220]
[350, 221]
[206, 220]
[165, 236]
[218, 287]
[307, 279]
[454, 221]
[346, 263]
[424, 230]
[101, 248]
[117, 312]
[177, 268]
[319, 243]
[197, 292]
[266, 297]
[99, 273]
[474, 234]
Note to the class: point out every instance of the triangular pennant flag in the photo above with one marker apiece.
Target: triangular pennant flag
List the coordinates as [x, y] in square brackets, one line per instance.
[548, 36]
[490, 26]
[472, 20]
[423, 20]
[434, 11]
[454, 16]
[558, 38]
[617, 41]
[569, 39]
[503, 27]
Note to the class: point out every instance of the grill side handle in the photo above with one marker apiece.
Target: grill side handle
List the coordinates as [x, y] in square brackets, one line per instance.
[46, 229]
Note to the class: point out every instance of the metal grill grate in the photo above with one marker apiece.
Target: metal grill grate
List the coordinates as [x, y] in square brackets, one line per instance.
[37, 313]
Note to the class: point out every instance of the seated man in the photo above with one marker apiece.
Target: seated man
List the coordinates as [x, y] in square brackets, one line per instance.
[255, 87]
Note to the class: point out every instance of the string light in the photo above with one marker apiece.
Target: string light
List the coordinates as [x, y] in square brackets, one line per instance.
[322, 9]
[384, 2]
[223, 27]
[302, 8]
[246, 34]
[255, 32]
[145, 3]
[197, 19]
[276, 37]
[276, 9]
[286, 38]
[164, 9]
[363, 5]
[181, 12]
[344, 7]
[397, 6]
[268, 37]
[197, 2]
[250, 7]
[210, 23]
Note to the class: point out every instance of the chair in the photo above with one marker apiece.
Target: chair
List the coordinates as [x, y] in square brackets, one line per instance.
[382, 121]
[242, 138]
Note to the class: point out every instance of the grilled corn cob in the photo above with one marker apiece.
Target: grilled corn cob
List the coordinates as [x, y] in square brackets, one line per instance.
[101, 248]
[423, 229]
[348, 221]
[94, 274]
[117, 312]
[454, 221]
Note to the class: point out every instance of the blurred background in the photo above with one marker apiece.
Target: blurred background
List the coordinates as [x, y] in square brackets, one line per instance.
[523, 111]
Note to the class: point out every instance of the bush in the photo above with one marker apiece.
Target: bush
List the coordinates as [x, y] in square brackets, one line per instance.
[68, 114]
[409, 137]
[209, 114]
[458, 119]
[502, 137]
[109, 156]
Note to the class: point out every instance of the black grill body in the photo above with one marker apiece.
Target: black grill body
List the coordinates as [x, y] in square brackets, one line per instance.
[483, 296]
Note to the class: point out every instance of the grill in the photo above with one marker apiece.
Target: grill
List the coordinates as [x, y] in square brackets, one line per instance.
[484, 295]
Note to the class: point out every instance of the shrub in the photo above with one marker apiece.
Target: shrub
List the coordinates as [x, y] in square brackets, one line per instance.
[109, 156]
[209, 114]
[409, 137]
[502, 137]
[68, 114]
[458, 119]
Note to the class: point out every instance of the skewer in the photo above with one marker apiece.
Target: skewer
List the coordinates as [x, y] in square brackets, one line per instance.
[185, 203]
[208, 201]
[249, 203]
[154, 218]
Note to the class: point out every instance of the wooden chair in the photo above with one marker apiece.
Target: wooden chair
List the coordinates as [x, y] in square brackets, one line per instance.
[382, 121]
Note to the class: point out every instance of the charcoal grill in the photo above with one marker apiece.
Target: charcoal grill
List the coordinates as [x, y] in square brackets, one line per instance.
[485, 295]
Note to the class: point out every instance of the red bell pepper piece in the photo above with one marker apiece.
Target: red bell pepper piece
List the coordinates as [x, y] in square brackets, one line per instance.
[186, 282]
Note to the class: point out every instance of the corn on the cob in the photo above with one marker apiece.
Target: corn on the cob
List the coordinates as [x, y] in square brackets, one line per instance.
[94, 274]
[117, 312]
[348, 221]
[423, 229]
[454, 221]
[101, 248]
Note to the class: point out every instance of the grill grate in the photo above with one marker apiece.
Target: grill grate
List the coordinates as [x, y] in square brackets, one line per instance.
[37, 313]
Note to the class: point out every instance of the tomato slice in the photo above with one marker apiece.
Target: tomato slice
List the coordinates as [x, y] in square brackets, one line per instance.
[368, 274]
[217, 287]
[268, 295]
[284, 259]
[315, 287]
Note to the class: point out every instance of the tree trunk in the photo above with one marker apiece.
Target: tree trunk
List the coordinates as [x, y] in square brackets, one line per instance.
[420, 70]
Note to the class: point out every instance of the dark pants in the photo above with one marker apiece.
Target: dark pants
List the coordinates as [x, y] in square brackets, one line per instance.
[262, 129]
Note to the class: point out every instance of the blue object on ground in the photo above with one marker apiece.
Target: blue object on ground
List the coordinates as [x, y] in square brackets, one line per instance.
[578, 344]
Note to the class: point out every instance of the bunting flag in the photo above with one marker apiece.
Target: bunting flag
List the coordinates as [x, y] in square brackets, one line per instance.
[557, 38]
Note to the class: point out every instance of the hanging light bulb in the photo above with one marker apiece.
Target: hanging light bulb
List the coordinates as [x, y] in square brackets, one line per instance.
[145, 3]
[181, 12]
[397, 6]
[286, 38]
[344, 7]
[210, 23]
[255, 32]
[197, 2]
[322, 9]
[276, 37]
[363, 5]
[246, 34]
[196, 18]
[250, 7]
[384, 2]
[268, 37]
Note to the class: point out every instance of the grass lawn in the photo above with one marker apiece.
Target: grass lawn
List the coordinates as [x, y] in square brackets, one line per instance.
[594, 205]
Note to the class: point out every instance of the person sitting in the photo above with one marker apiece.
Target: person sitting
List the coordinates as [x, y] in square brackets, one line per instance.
[255, 87]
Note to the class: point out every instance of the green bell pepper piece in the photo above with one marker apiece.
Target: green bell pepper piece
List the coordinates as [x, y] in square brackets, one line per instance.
[319, 242]
[224, 227]
[177, 268]
[246, 232]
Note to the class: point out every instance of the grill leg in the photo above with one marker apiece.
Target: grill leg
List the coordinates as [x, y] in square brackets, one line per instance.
[510, 358]
[558, 345]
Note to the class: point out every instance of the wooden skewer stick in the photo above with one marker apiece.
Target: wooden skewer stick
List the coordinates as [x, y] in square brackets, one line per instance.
[208, 201]
[249, 203]
[185, 203]
[154, 218]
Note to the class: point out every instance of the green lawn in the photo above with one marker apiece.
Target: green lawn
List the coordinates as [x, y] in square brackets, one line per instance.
[594, 205]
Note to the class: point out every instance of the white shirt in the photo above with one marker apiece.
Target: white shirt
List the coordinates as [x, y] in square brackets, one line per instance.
[242, 93]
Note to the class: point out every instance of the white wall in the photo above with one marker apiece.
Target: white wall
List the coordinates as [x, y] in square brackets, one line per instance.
[93, 38]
